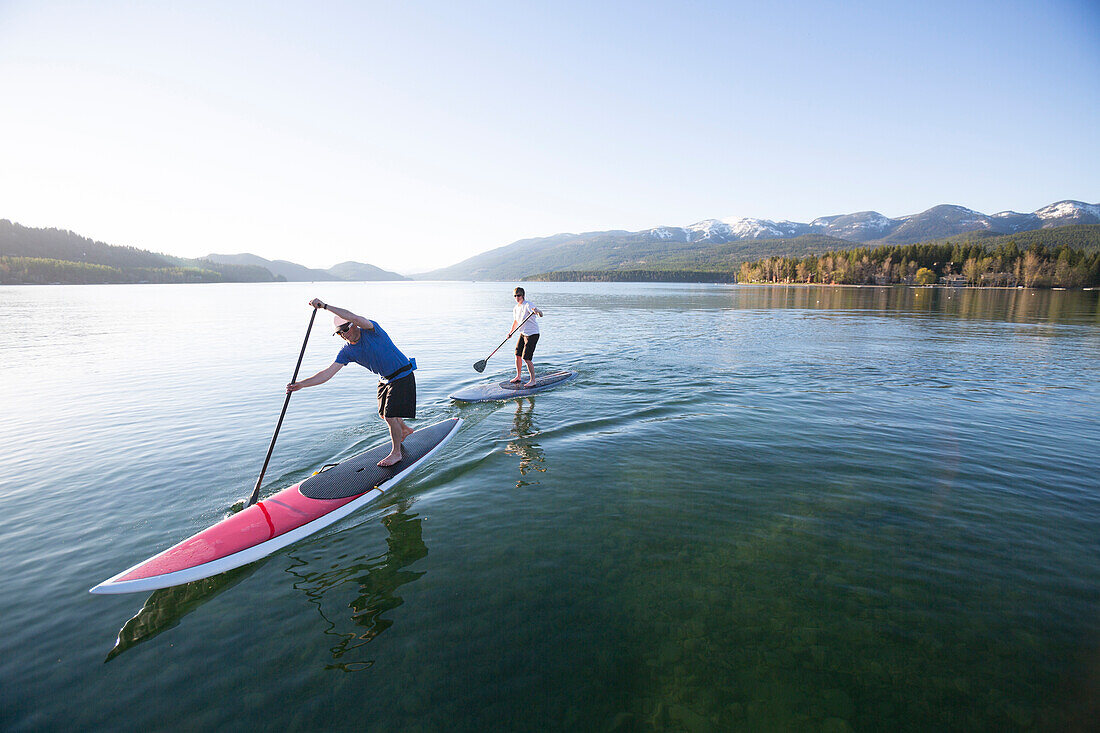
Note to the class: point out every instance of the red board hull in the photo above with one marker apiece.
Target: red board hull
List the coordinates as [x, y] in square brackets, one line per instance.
[263, 521]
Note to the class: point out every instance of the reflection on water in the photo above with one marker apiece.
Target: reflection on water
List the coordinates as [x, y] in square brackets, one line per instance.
[1008, 304]
[531, 457]
[375, 578]
[165, 608]
[994, 304]
[363, 590]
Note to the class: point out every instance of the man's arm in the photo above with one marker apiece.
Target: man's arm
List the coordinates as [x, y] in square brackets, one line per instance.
[345, 314]
[319, 378]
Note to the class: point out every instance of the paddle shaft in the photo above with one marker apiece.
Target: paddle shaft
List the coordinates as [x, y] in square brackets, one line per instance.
[490, 356]
[256, 491]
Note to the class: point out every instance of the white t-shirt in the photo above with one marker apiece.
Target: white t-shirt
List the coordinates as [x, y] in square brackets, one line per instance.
[521, 311]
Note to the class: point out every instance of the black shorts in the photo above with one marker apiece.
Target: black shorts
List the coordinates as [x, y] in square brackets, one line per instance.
[525, 345]
[398, 398]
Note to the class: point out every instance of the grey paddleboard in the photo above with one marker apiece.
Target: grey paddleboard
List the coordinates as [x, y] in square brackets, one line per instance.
[506, 390]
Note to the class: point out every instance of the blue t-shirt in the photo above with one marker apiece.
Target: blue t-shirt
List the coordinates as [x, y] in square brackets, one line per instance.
[376, 352]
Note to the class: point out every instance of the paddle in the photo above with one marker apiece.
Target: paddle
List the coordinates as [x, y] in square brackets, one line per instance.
[270, 448]
[479, 366]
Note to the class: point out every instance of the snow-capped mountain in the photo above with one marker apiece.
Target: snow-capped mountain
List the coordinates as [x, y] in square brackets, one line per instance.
[940, 221]
[729, 230]
[1010, 222]
[862, 226]
[1064, 213]
[596, 250]
[945, 220]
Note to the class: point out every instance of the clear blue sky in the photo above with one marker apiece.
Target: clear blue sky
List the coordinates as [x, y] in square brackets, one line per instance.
[412, 135]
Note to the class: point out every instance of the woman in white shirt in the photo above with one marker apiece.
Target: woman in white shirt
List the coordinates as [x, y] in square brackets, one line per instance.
[528, 328]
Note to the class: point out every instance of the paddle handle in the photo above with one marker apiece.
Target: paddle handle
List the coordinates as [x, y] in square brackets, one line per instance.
[256, 491]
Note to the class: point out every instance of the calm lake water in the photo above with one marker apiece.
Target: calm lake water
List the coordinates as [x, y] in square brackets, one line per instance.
[757, 508]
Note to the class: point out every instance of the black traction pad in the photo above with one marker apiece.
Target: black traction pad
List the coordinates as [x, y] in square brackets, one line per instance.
[362, 473]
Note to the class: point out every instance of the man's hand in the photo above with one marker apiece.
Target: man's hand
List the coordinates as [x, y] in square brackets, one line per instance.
[294, 387]
[316, 303]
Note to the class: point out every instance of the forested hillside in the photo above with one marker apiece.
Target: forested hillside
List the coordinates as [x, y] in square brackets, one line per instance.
[41, 256]
[997, 261]
[718, 243]
[1060, 257]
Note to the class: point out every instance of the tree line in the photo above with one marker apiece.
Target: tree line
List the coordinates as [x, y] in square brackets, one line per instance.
[635, 276]
[972, 263]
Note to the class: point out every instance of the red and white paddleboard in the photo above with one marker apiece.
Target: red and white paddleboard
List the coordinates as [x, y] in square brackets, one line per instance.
[282, 519]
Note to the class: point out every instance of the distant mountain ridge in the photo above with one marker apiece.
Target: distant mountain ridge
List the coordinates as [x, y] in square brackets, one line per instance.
[362, 272]
[713, 245]
[293, 272]
[619, 249]
[944, 220]
[32, 255]
[38, 255]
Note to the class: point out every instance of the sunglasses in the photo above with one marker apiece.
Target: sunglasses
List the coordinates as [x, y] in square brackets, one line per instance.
[343, 328]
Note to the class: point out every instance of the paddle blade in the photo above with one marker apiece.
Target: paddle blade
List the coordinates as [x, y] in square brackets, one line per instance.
[479, 367]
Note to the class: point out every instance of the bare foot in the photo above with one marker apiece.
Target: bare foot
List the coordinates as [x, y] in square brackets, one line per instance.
[406, 433]
[514, 381]
[530, 384]
[391, 459]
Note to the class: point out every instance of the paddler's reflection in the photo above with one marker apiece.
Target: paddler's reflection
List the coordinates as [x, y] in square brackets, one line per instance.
[523, 429]
[371, 583]
[165, 608]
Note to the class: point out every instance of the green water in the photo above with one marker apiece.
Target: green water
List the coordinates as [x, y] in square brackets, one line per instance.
[755, 509]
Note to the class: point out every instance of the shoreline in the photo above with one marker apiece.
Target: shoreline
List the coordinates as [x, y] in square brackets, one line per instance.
[930, 287]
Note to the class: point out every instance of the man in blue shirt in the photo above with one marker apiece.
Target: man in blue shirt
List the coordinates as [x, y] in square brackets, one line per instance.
[370, 346]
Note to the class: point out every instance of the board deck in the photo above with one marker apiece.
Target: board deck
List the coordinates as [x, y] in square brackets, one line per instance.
[506, 390]
[282, 519]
